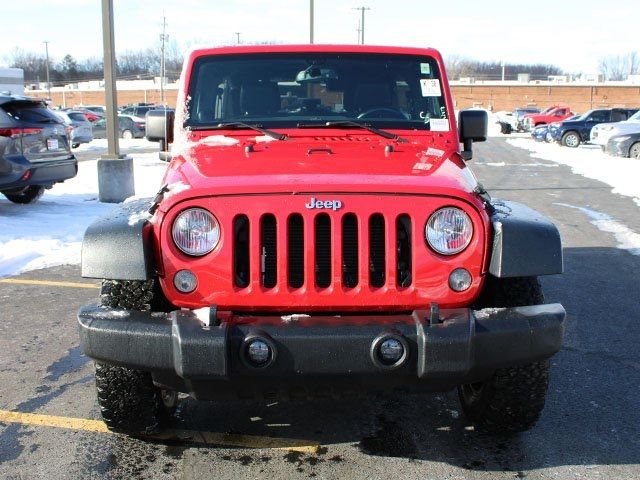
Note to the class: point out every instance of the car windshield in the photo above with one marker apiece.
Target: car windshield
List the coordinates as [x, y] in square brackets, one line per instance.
[635, 117]
[286, 90]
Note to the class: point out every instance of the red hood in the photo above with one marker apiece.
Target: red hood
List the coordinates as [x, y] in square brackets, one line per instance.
[319, 163]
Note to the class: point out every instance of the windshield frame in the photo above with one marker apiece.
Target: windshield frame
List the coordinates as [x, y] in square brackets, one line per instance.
[435, 71]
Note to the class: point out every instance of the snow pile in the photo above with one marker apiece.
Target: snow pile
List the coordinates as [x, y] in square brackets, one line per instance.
[49, 232]
[620, 173]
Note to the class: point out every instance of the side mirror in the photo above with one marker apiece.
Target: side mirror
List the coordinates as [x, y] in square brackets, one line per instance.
[159, 127]
[472, 125]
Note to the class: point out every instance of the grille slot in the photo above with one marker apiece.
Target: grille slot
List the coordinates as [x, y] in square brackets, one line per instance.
[295, 250]
[323, 250]
[268, 251]
[377, 274]
[403, 251]
[241, 251]
[350, 250]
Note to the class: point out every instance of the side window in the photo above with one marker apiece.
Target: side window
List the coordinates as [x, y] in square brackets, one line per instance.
[101, 123]
[599, 116]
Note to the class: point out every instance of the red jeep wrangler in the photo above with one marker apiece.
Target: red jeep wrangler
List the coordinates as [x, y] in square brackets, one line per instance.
[318, 230]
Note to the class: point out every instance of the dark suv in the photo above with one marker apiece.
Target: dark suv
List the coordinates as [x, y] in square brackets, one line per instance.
[571, 133]
[34, 149]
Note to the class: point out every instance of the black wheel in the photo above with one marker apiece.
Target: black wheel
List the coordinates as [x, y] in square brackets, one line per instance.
[512, 399]
[634, 151]
[28, 195]
[75, 145]
[128, 399]
[571, 139]
[127, 134]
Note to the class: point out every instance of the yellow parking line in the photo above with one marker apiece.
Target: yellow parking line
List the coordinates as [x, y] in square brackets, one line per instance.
[187, 436]
[48, 283]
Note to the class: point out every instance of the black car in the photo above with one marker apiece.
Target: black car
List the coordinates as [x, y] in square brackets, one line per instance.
[34, 149]
[572, 133]
[627, 145]
[127, 128]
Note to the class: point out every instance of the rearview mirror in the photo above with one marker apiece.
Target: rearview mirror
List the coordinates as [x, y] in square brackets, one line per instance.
[472, 125]
[315, 74]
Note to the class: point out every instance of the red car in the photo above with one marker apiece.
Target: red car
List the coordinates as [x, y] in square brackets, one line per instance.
[555, 113]
[318, 230]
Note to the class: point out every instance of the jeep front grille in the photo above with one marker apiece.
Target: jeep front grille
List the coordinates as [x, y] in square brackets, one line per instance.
[318, 241]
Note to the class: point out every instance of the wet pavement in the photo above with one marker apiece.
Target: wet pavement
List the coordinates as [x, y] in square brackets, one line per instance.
[590, 427]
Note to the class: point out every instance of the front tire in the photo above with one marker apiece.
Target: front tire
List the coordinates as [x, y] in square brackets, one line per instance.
[127, 134]
[512, 399]
[571, 139]
[634, 151]
[128, 399]
[29, 195]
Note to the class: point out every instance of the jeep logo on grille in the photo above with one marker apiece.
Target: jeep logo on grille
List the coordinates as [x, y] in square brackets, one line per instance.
[328, 204]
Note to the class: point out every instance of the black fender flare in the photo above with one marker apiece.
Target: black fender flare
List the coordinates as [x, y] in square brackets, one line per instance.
[118, 246]
[525, 243]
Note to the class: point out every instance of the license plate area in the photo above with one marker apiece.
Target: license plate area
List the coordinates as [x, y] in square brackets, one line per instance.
[52, 144]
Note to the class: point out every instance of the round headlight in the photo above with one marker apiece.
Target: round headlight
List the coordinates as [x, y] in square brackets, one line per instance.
[196, 232]
[449, 230]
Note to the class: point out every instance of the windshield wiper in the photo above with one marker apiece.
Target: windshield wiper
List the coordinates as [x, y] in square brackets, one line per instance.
[351, 123]
[256, 127]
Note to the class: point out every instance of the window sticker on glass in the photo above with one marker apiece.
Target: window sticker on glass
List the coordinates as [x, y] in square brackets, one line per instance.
[439, 125]
[430, 87]
[425, 69]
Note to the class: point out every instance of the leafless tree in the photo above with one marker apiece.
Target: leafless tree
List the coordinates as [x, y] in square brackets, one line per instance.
[619, 67]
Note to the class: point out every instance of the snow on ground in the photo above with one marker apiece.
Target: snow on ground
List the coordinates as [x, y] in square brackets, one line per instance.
[627, 239]
[49, 232]
[100, 145]
[621, 174]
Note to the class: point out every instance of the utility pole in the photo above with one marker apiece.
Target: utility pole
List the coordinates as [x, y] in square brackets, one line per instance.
[362, 10]
[115, 172]
[238, 38]
[311, 21]
[502, 65]
[163, 38]
[46, 49]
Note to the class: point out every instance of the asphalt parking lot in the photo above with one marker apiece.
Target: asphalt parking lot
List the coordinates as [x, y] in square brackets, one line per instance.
[590, 428]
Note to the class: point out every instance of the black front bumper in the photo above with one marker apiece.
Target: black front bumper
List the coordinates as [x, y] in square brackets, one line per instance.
[208, 362]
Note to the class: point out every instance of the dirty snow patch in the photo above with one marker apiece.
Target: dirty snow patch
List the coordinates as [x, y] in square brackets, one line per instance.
[294, 317]
[627, 239]
[620, 173]
[264, 139]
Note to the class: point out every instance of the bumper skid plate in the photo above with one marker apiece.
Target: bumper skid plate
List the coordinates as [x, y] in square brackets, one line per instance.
[464, 345]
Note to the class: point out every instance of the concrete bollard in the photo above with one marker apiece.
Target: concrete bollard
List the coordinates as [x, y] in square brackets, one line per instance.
[115, 179]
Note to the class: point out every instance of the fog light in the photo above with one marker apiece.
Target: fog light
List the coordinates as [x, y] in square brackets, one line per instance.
[460, 280]
[391, 351]
[185, 281]
[259, 352]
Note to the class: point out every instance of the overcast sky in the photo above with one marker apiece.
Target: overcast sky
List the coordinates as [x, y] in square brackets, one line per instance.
[570, 34]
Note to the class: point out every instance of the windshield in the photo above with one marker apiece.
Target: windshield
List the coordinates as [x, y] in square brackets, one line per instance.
[286, 90]
[635, 117]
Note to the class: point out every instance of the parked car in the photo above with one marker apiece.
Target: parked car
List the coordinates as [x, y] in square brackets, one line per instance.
[34, 149]
[91, 116]
[553, 127]
[512, 121]
[600, 134]
[81, 131]
[97, 109]
[127, 128]
[624, 145]
[539, 133]
[571, 133]
[273, 270]
[519, 114]
[138, 112]
[552, 114]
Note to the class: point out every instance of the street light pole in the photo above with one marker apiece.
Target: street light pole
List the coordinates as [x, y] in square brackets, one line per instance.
[163, 38]
[46, 49]
[115, 172]
[311, 21]
[362, 10]
[238, 38]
